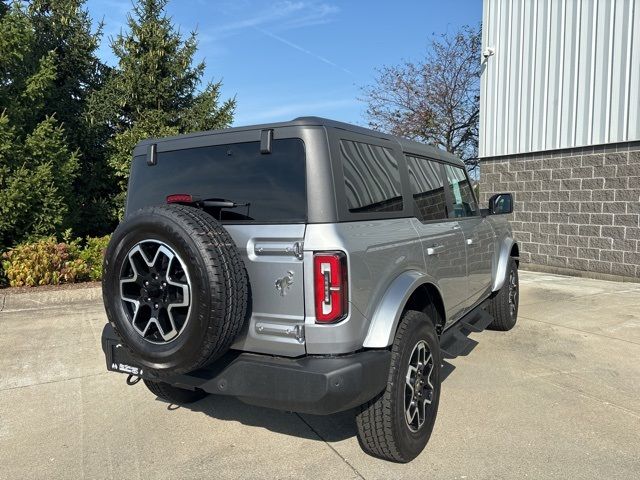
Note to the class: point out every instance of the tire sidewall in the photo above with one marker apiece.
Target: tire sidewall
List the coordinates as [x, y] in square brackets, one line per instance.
[412, 443]
[513, 268]
[149, 225]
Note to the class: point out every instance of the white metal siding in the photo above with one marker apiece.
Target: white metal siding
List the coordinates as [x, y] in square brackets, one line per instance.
[566, 73]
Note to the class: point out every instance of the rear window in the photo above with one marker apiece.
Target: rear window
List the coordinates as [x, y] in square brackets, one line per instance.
[267, 188]
[372, 178]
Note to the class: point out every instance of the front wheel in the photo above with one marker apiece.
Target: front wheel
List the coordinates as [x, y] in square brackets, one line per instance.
[503, 305]
[397, 424]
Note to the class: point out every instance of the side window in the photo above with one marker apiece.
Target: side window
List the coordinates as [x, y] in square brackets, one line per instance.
[371, 177]
[427, 188]
[464, 204]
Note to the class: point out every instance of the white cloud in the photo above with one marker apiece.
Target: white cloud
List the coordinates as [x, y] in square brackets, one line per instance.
[279, 16]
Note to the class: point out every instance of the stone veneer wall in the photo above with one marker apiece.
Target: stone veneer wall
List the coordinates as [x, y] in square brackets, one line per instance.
[577, 211]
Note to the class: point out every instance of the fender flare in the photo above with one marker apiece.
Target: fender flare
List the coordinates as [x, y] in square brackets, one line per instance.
[503, 262]
[386, 317]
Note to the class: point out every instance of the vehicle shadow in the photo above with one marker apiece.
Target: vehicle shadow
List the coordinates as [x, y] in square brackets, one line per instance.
[328, 428]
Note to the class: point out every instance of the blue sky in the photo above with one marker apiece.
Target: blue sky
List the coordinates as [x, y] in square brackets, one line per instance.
[285, 59]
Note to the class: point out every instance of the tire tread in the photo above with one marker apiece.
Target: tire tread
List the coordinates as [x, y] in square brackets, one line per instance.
[498, 305]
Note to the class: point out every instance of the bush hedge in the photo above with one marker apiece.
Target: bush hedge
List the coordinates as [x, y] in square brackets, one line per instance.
[49, 262]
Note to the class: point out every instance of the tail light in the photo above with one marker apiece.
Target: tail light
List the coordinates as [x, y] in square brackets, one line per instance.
[330, 282]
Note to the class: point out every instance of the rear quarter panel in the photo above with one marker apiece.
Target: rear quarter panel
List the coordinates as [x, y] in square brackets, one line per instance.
[378, 251]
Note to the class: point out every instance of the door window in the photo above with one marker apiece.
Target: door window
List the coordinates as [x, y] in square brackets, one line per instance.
[427, 188]
[463, 202]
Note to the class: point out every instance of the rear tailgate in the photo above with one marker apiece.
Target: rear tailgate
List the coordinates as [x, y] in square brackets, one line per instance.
[261, 200]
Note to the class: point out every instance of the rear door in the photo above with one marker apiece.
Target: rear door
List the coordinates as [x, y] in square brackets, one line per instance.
[477, 231]
[260, 198]
[442, 239]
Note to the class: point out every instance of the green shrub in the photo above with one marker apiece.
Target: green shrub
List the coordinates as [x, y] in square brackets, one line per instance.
[3, 277]
[43, 262]
[93, 254]
[49, 262]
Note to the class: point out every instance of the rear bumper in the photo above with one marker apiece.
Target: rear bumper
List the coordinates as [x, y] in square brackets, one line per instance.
[319, 385]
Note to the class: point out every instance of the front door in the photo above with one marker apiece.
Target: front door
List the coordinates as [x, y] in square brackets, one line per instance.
[478, 233]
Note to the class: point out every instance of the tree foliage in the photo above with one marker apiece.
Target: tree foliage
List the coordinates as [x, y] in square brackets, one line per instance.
[68, 122]
[155, 90]
[65, 27]
[37, 167]
[434, 100]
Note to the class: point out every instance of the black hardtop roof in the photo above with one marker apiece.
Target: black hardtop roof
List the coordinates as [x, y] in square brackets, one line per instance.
[408, 146]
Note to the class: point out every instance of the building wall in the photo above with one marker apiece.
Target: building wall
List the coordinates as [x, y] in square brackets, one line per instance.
[565, 73]
[577, 211]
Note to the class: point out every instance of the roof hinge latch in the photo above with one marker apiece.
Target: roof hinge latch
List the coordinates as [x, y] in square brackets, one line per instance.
[266, 139]
[152, 155]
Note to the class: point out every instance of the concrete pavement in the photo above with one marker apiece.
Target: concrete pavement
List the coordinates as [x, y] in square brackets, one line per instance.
[557, 397]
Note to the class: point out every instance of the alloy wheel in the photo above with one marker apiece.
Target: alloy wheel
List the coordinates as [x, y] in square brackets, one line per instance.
[418, 390]
[155, 291]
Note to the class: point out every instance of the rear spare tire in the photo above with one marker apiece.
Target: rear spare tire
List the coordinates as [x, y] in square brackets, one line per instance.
[174, 288]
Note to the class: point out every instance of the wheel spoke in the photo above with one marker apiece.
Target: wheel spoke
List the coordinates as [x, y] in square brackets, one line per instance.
[422, 355]
[411, 412]
[427, 398]
[411, 375]
[421, 411]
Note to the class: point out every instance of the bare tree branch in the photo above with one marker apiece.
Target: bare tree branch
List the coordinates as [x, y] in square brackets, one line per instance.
[435, 100]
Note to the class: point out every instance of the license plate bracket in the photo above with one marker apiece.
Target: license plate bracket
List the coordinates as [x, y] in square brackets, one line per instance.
[119, 360]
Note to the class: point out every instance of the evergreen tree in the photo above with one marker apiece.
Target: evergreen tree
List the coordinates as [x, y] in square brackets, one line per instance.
[37, 167]
[155, 89]
[65, 27]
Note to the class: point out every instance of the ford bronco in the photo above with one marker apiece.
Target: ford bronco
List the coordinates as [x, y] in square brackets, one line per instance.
[309, 266]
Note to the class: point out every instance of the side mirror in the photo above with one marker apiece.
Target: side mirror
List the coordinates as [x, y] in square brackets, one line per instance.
[500, 204]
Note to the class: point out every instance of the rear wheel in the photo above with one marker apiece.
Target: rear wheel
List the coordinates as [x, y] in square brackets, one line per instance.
[173, 394]
[503, 305]
[397, 424]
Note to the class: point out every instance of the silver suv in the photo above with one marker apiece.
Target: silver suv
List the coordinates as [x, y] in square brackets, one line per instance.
[310, 266]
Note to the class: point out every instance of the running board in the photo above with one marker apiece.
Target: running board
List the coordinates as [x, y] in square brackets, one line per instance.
[455, 342]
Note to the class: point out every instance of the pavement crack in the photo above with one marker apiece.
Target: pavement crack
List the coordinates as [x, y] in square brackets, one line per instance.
[53, 381]
[581, 331]
[592, 397]
[355, 470]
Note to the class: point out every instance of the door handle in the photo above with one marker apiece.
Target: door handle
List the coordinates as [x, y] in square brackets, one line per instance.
[435, 249]
[469, 241]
